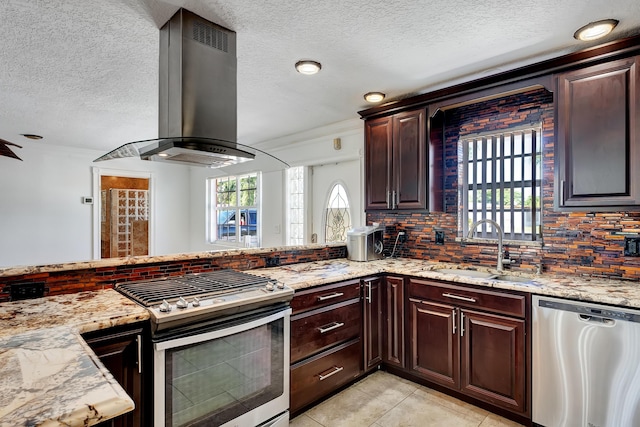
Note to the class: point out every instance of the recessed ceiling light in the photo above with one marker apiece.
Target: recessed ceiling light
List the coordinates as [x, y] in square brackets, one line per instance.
[374, 97]
[308, 67]
[595, 30]
[31, 136]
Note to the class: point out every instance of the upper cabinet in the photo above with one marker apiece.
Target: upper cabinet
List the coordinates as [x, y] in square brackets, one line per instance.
[598, 137]
[396, 161]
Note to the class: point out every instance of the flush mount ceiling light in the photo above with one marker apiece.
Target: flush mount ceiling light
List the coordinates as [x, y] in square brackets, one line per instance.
[308, 67]
[31, 136]
[374, 96]
[595, 30]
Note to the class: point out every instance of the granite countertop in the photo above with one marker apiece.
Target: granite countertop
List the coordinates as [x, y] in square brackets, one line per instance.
[48, 375]
[606, 291]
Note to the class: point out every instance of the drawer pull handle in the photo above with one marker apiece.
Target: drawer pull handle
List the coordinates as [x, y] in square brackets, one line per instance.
[330, 296]
[334, 325]
[461, 298]
[336, 369]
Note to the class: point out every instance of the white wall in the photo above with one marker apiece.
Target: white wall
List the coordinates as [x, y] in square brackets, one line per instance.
[42, 219]
[313, 147]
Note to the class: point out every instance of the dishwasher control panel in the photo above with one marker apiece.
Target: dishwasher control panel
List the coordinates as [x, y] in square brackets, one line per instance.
[590, 310]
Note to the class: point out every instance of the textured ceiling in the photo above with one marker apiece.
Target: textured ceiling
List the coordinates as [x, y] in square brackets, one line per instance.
[84, 73]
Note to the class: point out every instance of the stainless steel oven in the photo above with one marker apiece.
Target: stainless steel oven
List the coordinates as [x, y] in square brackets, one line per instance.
[221, 351]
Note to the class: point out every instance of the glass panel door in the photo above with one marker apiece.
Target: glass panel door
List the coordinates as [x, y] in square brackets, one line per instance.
[216, 381]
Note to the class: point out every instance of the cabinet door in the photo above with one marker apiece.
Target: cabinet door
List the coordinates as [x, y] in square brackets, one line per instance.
[493, 359]
[120, 352]
[434, 343]
[378, 164]
[393, 315]
[373, 328]
[409, 159]
[598, 146]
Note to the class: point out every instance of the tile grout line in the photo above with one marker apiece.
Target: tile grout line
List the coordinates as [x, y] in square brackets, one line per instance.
[392, 408]
[436, 401]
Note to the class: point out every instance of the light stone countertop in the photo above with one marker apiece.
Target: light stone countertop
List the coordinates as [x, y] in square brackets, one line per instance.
[624, 293]
[48, 375]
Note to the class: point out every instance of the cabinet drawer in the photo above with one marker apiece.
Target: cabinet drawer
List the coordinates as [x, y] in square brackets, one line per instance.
[462, 296]
[320, 375]
[323, 296]
[317, 330]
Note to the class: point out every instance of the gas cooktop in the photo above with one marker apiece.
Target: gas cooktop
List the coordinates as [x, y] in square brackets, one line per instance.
[180, 300]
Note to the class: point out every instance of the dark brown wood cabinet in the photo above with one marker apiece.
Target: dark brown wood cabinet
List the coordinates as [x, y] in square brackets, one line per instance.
[470, 340]
[492, 353]
[372, 321]
[434, 343]
[597, 157]
[393, 321]
[326, 348]
[320, 375]
[396, 161]
[120, 350]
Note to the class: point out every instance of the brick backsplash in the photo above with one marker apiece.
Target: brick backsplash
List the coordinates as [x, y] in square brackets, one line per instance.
[575, 243]
[70, 281]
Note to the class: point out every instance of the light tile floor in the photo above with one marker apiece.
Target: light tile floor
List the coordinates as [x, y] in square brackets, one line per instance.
[385, 400]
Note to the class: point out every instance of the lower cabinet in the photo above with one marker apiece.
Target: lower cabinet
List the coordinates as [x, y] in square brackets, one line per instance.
[326, 349]
[319, 375]
[434, 342]
[492, 356]
[470, 340]
[393, 321]
[120, 350]
[467, 339]
[373, 330]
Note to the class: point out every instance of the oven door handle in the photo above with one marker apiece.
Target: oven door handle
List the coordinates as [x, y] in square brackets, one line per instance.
[219, 333]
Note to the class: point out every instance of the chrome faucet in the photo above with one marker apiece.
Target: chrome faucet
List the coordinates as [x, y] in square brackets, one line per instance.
[500, 233]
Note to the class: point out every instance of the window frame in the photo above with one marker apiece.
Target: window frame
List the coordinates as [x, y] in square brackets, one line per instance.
[327, 210]
[498, 183]
[214, 209]
[303, 193]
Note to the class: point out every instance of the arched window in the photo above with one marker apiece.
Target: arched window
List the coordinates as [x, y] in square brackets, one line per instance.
[338, 217]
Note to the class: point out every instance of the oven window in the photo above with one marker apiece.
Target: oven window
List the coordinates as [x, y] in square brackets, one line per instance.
[213, 382]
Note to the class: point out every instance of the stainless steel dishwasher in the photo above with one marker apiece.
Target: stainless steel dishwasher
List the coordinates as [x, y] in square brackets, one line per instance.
[586, 364]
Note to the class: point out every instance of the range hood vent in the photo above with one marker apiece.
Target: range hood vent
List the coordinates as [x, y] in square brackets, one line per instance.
[197, 123]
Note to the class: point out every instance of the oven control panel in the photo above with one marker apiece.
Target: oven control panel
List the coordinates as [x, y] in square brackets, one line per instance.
[183, 307]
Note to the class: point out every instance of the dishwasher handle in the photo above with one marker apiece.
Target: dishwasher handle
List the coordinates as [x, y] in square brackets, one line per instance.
[602, 321]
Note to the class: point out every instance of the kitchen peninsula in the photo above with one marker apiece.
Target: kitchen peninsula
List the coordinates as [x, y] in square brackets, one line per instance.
[54, 377]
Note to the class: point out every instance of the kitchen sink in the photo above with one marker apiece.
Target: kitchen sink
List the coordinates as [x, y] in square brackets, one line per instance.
[509, 278]
[486, 275]
[466, 273]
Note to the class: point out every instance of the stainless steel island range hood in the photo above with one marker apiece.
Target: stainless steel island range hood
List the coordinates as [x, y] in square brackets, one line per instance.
[197, 99]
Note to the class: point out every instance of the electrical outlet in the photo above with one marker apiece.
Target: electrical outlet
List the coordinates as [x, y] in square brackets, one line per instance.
[631, 246]
[22, 291]
[273, 261]
[402, 237]
[439, 237]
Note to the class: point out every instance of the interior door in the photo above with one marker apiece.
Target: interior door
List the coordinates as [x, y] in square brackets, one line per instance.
[323, 178]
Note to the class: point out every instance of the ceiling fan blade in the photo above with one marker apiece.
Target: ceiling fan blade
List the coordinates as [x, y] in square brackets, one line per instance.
[6, 151]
